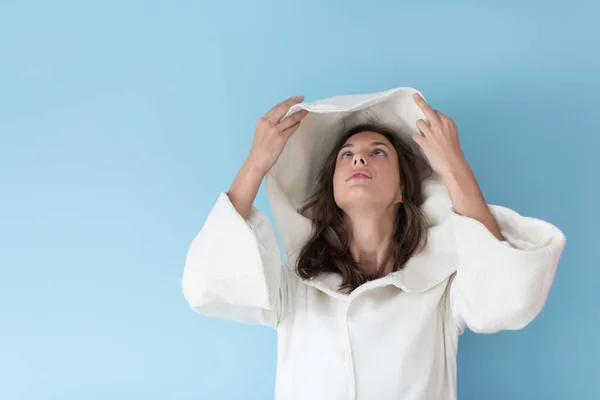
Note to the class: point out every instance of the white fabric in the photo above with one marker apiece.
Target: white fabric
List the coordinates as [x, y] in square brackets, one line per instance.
[392, 338]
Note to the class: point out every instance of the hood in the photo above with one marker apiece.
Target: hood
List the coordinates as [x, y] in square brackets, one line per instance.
[290, 182]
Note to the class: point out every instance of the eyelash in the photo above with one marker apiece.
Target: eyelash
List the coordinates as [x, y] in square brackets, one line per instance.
[348, 152]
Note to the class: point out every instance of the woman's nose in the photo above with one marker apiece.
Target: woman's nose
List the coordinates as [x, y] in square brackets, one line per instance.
[359, 159]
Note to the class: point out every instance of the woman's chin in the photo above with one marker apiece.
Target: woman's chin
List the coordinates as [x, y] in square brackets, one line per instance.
[361, 199]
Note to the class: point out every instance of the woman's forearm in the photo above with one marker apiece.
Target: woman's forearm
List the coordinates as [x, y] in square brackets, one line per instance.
[244, 188]
[467, 198]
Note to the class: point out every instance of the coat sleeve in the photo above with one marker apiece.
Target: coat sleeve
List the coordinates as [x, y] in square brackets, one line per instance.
[502, 285]
[233, 268]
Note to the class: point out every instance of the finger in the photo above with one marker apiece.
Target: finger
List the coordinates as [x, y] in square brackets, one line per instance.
[446, 119]
[426, 108]
[424, 127]
[277, 112]
[417, 137]
[289, 100]
[292, 120]
[442, 116]
[289, 131]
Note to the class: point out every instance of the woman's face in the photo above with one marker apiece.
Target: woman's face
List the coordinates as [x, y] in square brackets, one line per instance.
[366, 173]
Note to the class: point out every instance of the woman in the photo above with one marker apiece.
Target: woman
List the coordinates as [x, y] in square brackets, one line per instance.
[391, 250]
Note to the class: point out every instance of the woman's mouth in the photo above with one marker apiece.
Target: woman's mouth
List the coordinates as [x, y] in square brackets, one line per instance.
[360, 174]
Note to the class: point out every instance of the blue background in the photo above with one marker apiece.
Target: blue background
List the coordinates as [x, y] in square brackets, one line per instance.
[121, 121]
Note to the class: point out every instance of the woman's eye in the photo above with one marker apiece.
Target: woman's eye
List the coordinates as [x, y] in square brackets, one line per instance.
[346, 153]
[378, 152]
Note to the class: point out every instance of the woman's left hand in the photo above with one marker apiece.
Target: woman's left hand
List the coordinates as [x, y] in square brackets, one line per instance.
[439, 139]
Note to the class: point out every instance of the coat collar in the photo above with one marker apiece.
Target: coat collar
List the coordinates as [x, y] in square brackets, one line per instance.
[426, 269]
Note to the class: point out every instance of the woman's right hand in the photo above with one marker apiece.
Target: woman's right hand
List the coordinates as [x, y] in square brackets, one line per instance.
[272, 134]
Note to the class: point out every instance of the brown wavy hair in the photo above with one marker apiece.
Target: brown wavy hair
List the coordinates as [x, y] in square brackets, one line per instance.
[327, 250]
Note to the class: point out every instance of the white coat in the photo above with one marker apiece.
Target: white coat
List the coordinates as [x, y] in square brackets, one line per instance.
[392, 338]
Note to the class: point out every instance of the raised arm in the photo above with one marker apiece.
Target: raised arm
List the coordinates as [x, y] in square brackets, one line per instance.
[507, 262]
[233, 267]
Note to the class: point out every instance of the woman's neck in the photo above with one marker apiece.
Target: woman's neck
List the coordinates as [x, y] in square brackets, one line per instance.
[370, 236]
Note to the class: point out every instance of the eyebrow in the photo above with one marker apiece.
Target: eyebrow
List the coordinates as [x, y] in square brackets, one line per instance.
[372, 144]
